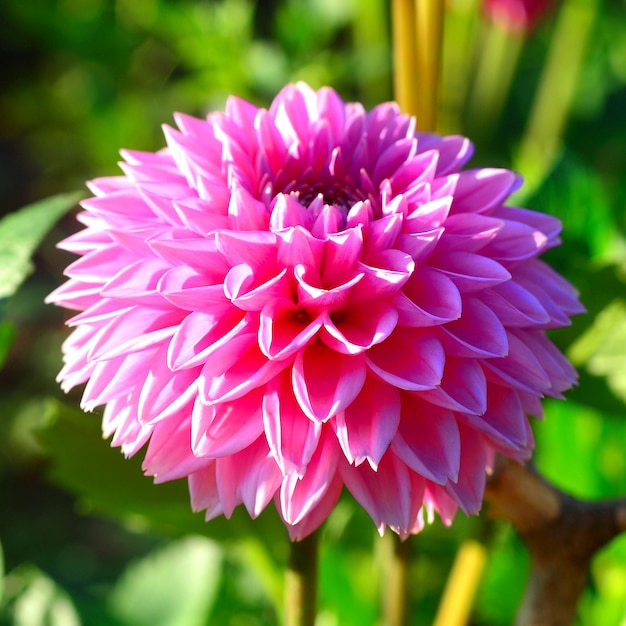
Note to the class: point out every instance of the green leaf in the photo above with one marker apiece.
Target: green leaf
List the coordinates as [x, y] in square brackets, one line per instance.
[39, 600]
[1, 575]
[107, 482]
[576, 195]
[20, 234]
[7, 335]
[172, 586]
[602, 348]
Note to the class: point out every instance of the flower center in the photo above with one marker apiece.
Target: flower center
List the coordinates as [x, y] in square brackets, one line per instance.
[334, 194]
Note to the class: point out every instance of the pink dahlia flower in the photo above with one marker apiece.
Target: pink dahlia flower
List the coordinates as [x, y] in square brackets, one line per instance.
[286, 301]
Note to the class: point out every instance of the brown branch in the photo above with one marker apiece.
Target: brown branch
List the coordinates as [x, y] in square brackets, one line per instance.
[562, 534]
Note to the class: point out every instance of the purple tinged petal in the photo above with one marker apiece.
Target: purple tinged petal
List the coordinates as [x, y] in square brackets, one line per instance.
[326, 382]
[549, 225]
[207, 215]
[477, 333]
[483, 190]
[428, 298]
[515, 306]
[291, 435]
[385, 493]
[557, 295]
[367, 427]
[382, 234]
[463, 387]
[560, 371]
[388, 162]
[516, 242]
[521, 369]
[469, 489]
[428, 440]
[454, 151]
[427, 216]
[409, 359]
[420, 245]
[436, 499]
[471, 272]
[223, 429]
[504, 423]
[469, 232]
[419, 169]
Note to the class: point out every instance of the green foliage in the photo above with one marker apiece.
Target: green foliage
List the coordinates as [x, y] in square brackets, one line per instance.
[106, 482]
[173, 586]
[20, 235]
[90, 77]
[36, 599]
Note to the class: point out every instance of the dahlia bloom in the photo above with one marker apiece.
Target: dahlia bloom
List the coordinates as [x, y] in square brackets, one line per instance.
[516, 15]
[286, 301]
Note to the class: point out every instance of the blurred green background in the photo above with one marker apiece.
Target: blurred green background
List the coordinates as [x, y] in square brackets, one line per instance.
[85, 538]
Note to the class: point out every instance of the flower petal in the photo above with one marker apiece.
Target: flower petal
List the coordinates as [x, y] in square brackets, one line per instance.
[367, 427]
[326, 382]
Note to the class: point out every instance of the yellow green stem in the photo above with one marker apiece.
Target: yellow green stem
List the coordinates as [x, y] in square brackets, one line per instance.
[458, 596]
[404, 59]
[429, 31]
[496, 67]
[551, 107]
[301, 582]
[395, 581]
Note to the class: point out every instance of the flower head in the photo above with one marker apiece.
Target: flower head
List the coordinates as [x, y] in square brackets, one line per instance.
[516, 15]
[286, 301]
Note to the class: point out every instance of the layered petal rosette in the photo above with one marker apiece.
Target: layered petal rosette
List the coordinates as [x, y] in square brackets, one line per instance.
[286, 301]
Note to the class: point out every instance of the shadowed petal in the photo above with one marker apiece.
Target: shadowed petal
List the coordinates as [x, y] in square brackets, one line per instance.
[326, 382]
[367, 427]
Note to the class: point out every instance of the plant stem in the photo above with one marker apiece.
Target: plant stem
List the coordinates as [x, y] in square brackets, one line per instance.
[301, 582]
[458, 596]
[396, 587]
[498, 61]
[541, 141]
[404, 59]
[429, 31]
